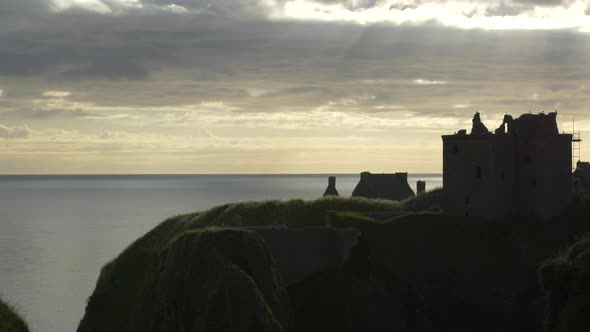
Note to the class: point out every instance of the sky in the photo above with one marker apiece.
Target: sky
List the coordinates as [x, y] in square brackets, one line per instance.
[277, 86]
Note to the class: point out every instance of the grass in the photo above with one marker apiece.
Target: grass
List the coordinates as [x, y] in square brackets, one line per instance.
[292, 213]
[10, 320]
[173, 266]
[565, 279]
[467, 261]
[128, 279]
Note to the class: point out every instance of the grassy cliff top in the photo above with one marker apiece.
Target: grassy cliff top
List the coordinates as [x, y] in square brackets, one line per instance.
[293, 213]
[428, 256]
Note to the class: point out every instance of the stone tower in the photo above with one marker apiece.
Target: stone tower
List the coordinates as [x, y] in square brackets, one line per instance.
[523, 168]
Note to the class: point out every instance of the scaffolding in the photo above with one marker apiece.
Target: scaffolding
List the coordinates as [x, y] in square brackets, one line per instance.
[576, 145]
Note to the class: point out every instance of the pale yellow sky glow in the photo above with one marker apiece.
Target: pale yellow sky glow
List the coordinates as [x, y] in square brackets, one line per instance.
[276, 86]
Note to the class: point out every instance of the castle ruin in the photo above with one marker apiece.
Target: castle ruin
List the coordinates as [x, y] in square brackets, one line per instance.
[523, 168]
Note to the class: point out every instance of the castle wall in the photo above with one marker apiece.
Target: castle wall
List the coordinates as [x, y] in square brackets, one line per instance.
[498, 175]
[478, 175]
[545, 181]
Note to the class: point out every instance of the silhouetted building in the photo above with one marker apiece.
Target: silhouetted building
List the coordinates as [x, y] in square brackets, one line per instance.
[386, 186]
[331, 189]
[523, 168]
[582, 177]
[420, 187]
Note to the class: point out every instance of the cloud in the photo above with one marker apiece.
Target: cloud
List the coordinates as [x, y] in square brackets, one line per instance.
[546, 2]
[492, 15]
[18, 132]
[506, 10]
[420, 81]
[89, 5]
[174, 8]
[269, 82]
[56, 94]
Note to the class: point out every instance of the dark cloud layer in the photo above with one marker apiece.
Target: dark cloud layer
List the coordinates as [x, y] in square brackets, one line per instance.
[255, 79]
[261, 65]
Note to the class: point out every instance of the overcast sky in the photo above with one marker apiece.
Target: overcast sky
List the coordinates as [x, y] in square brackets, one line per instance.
[276, 86]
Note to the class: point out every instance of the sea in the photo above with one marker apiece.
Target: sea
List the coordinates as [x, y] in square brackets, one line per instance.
[57, 231]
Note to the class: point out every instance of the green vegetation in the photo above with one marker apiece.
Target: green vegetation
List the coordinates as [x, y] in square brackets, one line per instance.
[431, 272]
[566, 278]
[10, 321]
[175, 279]
[430, 200]
[421, 271]
[293, 213]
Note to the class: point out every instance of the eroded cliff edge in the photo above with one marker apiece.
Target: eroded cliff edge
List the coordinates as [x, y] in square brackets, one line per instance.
[175, 279]
[421, 271]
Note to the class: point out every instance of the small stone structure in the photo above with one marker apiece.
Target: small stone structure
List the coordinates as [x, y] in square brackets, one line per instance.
[420, 187]
[522, 169]
[301, 252]
[331, 189]
[385, 186]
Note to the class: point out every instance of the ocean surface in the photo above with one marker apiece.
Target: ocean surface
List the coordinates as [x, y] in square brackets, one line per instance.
[56, 232]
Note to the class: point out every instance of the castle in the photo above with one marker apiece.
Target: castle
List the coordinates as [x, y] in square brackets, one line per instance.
[523, 168]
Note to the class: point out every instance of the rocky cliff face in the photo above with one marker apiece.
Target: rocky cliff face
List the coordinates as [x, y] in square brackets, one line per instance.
[177, 280]
[421, 272]
[430, 272]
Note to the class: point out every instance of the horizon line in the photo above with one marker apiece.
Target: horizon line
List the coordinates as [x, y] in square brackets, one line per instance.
[147, 174]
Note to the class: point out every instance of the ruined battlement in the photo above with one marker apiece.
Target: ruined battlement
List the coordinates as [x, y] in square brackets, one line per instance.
[522, 168]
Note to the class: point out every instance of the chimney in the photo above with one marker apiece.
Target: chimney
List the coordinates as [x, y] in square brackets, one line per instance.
[331, 190]
[420, 187]
[332, 181]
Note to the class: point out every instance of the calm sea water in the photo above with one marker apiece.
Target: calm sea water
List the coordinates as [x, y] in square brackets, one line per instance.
[56, 232]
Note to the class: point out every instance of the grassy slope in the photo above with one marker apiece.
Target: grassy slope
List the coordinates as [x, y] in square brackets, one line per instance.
[10, 321]
[293, 213]
[130, 279]
[424, 268]
[174, 279]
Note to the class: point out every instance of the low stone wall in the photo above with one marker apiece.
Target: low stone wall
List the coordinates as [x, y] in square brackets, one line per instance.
[300, 252]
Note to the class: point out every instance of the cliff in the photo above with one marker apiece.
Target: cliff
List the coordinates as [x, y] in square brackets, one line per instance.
[432, 272]
[174, 279]
[10, 321]
[416, 272]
